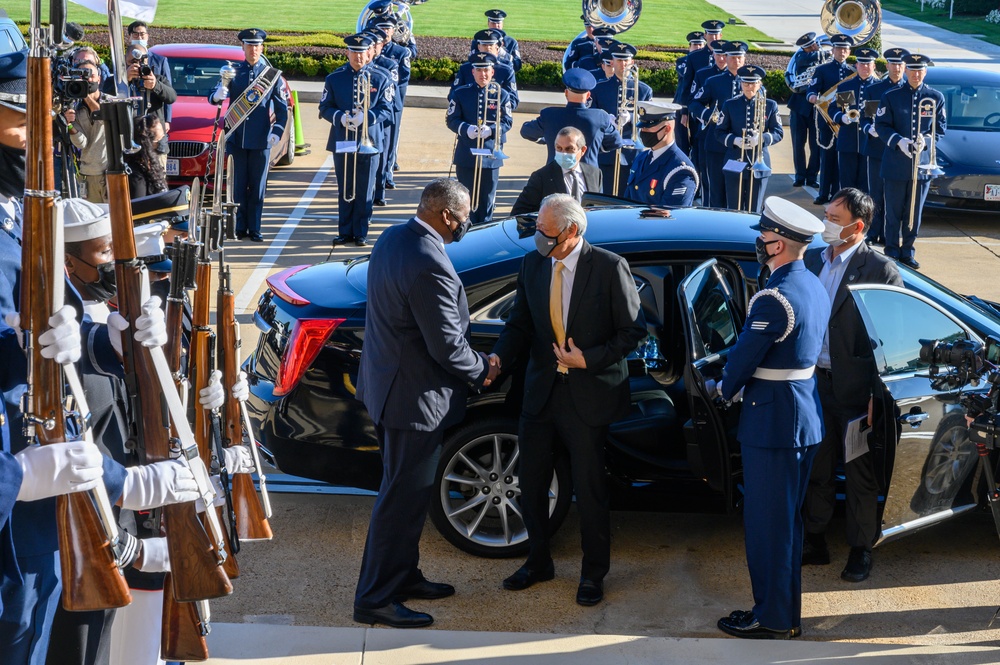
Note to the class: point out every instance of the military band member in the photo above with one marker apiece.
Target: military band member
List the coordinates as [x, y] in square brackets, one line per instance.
[354, 165]
[250, 144]
[853, 165]
[510, 52]
[475, 113]
[701, 58]
[401, 54]
[607, 96]
[696, 41]
[488, 42]
[390, 67]
[581, 46]
[598, 126]
[827, 76]
[661, 175]
[801, 121]
[737, 131]
[907, 118]
[874, 145]
[707, 108]
[386, 9]
[603, 38]
[606, 69]
[695, 126]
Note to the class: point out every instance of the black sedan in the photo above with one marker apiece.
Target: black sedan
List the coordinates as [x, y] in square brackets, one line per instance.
[695, 272]
[969, 151]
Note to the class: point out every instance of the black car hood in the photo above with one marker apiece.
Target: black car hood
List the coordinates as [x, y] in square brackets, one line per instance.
[977, 149]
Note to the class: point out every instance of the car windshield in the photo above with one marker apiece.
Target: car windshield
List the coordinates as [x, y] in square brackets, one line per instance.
[972, 107]
[194, 77]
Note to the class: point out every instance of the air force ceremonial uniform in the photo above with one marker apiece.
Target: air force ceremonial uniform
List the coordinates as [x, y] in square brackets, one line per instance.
[502, 74]
[827, 76]
[852, 164]
[663, 176]
[717, 91]
[801, 120]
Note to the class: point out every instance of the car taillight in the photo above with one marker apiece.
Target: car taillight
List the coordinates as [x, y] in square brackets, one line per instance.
[307, 339]
[279, 285]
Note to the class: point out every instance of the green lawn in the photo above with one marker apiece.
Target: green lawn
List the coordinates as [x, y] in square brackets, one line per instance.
[964, 24]
[662, 21]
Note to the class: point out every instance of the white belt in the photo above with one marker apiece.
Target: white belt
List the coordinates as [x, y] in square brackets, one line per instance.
[784, 374]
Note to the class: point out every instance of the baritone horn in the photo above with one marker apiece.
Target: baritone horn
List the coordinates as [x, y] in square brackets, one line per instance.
[359, 133]
[491, 96]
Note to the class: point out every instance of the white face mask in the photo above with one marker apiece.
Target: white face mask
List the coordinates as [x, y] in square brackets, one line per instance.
[831, 233]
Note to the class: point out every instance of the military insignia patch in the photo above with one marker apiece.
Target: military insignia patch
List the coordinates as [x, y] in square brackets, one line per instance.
[721, 118]
[253, 95]
[326, 93]
[642, 111]
[451, 107]
[390, 92]
[880, 112]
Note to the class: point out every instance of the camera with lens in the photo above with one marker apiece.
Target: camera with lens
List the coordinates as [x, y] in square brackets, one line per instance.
[71, 82]
[143, 61]
[966, 362]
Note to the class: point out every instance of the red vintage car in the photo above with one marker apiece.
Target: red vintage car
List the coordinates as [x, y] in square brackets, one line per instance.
[194, 69]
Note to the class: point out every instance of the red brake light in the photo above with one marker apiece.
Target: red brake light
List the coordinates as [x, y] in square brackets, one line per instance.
[279, 285]
[308, 337]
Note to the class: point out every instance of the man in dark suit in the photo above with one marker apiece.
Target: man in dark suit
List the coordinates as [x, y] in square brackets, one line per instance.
[845, 372]
[566, 174]
[576, 316]
[414, 378]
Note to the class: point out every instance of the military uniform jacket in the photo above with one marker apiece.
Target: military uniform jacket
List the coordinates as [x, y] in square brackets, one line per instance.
[783, 331]
[391, 68]
[466, 109]
[680, 95]
[717, 90]
[849, 138]
[873, 147]
[702, 75]
[338, 99]
[669, 180]
[510, 53]
[737, 117]
[694, 62]
[828, 75]
[502, 74]
[401, 55]
[899, 117]
[578, 49]
[800, 62]
[253, 132]
[598, 129]
[605, 97]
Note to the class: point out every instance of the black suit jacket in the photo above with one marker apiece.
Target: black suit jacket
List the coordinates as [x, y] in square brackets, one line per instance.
[549, 180]
[604, 320]
[851, 359]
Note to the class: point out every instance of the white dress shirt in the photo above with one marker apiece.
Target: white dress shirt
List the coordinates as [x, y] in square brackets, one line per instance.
[434, 234]
[831, 275]
[575, 173]
[568, 275]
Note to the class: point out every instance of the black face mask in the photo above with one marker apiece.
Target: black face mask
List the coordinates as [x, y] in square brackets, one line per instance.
[650, 139]
[105, 288]
[760, 245]
[11, 172]
[463, 228]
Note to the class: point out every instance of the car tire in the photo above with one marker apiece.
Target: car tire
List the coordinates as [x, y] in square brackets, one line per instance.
[947, 469]
[289, 156]
[475, 503]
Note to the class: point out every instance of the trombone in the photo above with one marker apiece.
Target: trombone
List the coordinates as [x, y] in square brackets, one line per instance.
[492, 96]
[931, 168]
[358, 134]
[758, 167]
[625, 106]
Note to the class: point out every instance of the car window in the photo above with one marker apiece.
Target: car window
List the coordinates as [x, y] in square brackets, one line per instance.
[970, 106]
[709, 305]
[11, 40]
[194, 77]
[900, 321]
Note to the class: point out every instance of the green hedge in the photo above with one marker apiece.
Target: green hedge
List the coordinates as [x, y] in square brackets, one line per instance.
[976, 7]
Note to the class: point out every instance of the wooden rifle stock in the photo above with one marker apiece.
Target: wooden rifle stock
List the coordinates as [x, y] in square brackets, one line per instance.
[182, 638]
[90, 574]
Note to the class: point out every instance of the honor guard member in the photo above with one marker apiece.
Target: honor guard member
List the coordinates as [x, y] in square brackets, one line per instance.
[474, 114]
[695, 126]
[355, 154]
[774, 364]
[390, 67]
[582, 46]
[707, 108]
[510, 52]
[250, 144]
[852, 165]
[801, 122]
[598, 126]
[698, 60]
[603, 39]
[874, 145]
[488, 42]
[608, 96]
[662, 175]
[402, 55]
[696, 41]
[907, 118]
[827, 76]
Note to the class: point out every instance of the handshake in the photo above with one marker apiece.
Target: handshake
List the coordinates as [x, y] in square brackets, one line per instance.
[479, 132]
[493, 361]
[353, 120]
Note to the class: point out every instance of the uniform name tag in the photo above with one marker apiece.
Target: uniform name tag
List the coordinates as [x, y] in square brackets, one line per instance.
[347, 146]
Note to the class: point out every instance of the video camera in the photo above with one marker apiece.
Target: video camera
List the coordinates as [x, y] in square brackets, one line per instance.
[71, 82]
[142, 59]
[964, 362]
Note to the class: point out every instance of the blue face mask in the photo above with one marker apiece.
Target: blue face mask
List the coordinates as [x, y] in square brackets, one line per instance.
[140, 42]
[566, 160]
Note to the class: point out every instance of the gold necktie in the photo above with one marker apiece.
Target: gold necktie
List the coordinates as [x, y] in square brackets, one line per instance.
[556, 309]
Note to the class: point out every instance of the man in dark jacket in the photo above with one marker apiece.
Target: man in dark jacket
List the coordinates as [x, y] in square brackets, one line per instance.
[566, 174]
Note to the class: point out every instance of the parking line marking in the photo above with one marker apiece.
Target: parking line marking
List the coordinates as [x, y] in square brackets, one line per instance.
[249, 290]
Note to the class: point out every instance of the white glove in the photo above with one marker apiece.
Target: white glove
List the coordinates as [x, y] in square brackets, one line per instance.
[241, 389]
[905, 146]
[272, 140]
[220, 93]
[239, 460]
[59, 468]
[485, 131]
[155, 556]
[220, 496]
[739, 142]
[847, 120]
[212, 396]
[61, 342]
[358, 118]
[345, 120]
[872, 132]
[159, 484]
[13, 320]
[752, 141]
[151, 327]
[472, 132]
[624, 118]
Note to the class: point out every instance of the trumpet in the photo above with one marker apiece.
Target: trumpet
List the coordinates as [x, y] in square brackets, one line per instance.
[626, 106]
[492, 96]
[359, 133]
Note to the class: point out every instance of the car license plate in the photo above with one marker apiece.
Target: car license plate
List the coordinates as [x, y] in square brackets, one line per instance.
[173, 167]
[992, 193]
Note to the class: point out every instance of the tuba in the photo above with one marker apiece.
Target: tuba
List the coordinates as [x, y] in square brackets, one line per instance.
[619, 15]
[401, 10]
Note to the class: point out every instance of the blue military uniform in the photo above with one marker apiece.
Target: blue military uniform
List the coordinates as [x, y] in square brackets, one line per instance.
[745, 188]
[355, 168]
[696, 129]
[827, 76]
[402, 55]
[249, 144]
[580, 47]
[598, 126]
[904, 114]
[390, 68]
[467, 108]
[773, 363]
[681, 95]
[511, 52]
[801, 116]
[852, 164]
[700, 59]
[603, 40]
[662, 176]
[502, 74]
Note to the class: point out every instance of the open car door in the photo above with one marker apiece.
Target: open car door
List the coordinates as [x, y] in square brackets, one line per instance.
[923, 457]
[710, 324]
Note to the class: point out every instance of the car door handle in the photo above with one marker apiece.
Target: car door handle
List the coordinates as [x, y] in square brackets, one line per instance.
[914, 419]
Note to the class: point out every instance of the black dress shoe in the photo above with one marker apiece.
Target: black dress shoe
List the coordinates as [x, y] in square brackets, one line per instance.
[394, 615]
[799, 182]
[381, 203]
[425, 590]
[525, 577]
[390, 185]
[814, 550]
[744, 624]
[821, 200]
[342, 240]
[795, 632]
[590, 592]
[240, 235]
[812, 183]
[360, 242]
[875, 241]
[257, 238]
[859, 565]
[395, 167]
[910, 262]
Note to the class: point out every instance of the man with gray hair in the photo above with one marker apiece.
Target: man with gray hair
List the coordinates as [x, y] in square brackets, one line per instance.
[565, 174]
[575, 318]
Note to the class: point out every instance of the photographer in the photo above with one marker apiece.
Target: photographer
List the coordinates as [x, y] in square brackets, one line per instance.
[154, 89]
[86, 131]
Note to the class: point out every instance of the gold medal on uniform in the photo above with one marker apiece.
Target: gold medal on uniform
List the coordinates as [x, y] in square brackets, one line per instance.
[652, 187]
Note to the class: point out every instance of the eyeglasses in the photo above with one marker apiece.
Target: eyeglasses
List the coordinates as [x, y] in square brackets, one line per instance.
[141, 34]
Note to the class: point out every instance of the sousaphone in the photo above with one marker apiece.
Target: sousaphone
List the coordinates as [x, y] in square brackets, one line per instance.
[618, 15]
[401, 9]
